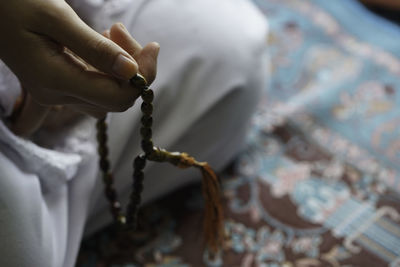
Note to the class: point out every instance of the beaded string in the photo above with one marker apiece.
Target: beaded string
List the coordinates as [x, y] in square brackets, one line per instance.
[213, 219]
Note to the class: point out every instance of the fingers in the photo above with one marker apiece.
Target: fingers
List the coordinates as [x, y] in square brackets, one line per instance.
[67, 79]
[146, 57]
[148, 61]
[69, 30]
[120, 35]
[106, 34]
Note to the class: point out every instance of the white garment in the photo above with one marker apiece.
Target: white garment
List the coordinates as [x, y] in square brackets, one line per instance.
[212, 68]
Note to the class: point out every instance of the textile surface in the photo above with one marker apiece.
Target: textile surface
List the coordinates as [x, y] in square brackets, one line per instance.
[319, 181]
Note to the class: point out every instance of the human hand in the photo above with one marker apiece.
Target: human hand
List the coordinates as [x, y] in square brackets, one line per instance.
[146, 58]
[36, 34]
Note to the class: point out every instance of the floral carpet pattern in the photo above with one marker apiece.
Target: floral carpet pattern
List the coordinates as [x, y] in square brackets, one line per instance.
[319, 182]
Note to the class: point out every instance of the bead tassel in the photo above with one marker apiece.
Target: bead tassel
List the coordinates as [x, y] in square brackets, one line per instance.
[213, 214]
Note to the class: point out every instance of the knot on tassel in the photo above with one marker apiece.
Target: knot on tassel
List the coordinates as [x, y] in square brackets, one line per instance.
[213, 216]
[186, 161]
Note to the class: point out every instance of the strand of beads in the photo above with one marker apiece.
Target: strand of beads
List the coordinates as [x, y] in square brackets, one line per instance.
[139, 163]
[108, 179]
[213, 223]
[130, 220]
[127, 222]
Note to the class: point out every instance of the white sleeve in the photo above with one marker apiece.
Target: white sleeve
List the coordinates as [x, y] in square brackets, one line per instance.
[35, 201]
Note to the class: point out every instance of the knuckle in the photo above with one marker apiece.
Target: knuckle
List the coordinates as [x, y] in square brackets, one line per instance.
[101, 50]
[99, 44]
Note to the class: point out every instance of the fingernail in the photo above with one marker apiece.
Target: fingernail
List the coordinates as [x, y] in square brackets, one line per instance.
[124, 67]
[157, 48]
[122, 26]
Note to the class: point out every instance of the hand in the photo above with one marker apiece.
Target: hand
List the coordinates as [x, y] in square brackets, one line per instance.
[146, 58]
[49, 48]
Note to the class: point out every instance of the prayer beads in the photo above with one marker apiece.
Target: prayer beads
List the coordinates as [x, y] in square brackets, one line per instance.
[213, 228]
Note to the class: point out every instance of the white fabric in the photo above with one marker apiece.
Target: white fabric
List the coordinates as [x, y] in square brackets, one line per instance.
[52, 167]
[9, 90]
[212, 67]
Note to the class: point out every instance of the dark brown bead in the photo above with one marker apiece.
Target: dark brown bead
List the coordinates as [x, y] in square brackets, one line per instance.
[103, 150]
[152, 155]
[101, 137]
[147, 146]
[110, 194]
[147, 108]
[108, 179]
[135, 199]
[101, 125]
[139, 163]
[148, 96]
[146, 133]
[115, 209]
[132, 211]
[131, 219]
[138, 81]
[138, 175]
[131, 207]
[138, 186]
[147, 121]
[104, 164]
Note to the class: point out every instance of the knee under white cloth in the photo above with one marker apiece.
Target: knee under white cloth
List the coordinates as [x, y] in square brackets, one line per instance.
[212, 68]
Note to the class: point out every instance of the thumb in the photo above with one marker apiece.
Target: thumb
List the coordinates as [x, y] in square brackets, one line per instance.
[30, 118]
[70, 31]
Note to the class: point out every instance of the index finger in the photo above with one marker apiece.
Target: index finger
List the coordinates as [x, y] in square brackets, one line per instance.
[70, 79]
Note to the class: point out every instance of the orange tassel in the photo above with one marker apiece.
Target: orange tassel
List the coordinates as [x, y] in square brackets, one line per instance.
[213, 217]
[213, 226]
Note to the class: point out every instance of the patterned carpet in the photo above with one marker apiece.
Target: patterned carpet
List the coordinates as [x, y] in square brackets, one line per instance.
[319, 182]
